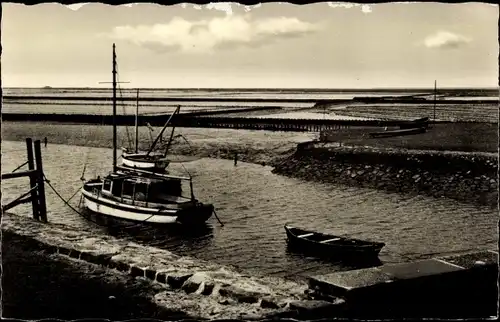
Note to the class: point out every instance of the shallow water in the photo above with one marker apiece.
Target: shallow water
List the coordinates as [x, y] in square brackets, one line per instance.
[254, 204]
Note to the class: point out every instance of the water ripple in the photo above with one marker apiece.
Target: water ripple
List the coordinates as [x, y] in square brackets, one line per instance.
[254, 204]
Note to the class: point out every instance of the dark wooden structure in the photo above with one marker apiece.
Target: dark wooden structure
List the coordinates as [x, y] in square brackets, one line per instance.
[36, 194]
[182, 120]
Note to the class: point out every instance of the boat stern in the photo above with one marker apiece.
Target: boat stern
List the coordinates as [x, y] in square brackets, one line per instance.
[197, 214]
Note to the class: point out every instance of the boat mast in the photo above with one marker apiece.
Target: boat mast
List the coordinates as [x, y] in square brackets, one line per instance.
[136, 124]
[114, 108]
[435, 89]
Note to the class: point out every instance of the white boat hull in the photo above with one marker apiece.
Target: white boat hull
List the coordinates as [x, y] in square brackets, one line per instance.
[142, 162]
[138, 164]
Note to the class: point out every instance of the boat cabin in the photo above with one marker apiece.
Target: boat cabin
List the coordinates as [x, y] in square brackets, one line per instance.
[139, 190]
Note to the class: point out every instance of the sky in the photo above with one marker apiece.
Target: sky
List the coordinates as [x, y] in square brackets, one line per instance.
[272, 45]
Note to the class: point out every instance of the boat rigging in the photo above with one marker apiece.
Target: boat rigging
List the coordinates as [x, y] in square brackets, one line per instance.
[140, 195]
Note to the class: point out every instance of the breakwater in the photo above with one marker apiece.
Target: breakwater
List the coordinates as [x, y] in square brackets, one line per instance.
[467, 177]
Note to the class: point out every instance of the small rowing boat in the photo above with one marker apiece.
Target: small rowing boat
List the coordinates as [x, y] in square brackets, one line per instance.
[331, 245]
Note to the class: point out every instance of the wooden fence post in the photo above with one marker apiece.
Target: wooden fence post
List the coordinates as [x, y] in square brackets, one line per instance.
[33, 180]
[41, 189]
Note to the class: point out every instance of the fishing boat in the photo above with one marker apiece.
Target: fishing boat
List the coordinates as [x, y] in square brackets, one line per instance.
[148, 160]
[330, 245]
[144, 197]
[155, 162]
[140, 195]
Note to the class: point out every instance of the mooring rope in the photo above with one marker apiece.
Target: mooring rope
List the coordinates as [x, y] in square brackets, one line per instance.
[85, 164]
[66, 201]
[73, 195]
[222, 225]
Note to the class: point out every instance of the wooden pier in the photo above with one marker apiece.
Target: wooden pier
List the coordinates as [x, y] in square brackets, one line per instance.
[36, 194]
[186, 120]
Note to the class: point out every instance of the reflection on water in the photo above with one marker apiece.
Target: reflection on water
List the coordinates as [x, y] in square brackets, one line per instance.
[306, 262]
[254, 204]
[175, 237]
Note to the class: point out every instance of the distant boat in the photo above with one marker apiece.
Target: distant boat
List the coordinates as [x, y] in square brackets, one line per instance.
[148, 160]
[154, 162]
[142, 196]
[401, 132]
[330, 245]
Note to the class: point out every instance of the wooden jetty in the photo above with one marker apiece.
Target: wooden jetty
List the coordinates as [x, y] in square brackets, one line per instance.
[186, 120]
[36, 194]
[449, 287]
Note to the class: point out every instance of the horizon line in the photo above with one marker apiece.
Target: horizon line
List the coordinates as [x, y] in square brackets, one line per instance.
[261, 88]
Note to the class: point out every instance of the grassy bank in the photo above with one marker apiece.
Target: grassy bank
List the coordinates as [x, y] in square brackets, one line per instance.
[251, 146]
[262, 147]
[36, 285]
[446, 112]
[467, 137]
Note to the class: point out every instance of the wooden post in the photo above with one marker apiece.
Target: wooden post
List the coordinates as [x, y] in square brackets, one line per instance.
[435, 87]
[136, 124]
[33, 183]
[41, 189]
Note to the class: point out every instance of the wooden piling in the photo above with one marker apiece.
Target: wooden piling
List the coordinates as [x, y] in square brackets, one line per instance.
[33, 183]
[42, 206]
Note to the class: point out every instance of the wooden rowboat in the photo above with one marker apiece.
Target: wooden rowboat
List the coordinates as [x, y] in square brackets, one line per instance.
[331, 245]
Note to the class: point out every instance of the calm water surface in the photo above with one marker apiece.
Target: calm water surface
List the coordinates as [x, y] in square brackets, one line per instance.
[254, 204]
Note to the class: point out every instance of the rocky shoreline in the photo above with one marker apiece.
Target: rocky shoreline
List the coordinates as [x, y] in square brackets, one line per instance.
[162, 285]
[466, 177]
[40, 285]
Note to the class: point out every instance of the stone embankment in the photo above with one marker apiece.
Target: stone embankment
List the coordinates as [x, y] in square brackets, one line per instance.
[467, 177]
[198, 288]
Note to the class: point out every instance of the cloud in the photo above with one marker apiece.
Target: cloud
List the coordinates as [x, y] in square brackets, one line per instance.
[227, 7]
[221, 6]
[218, 33]
[446, 40]
[365, 8]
